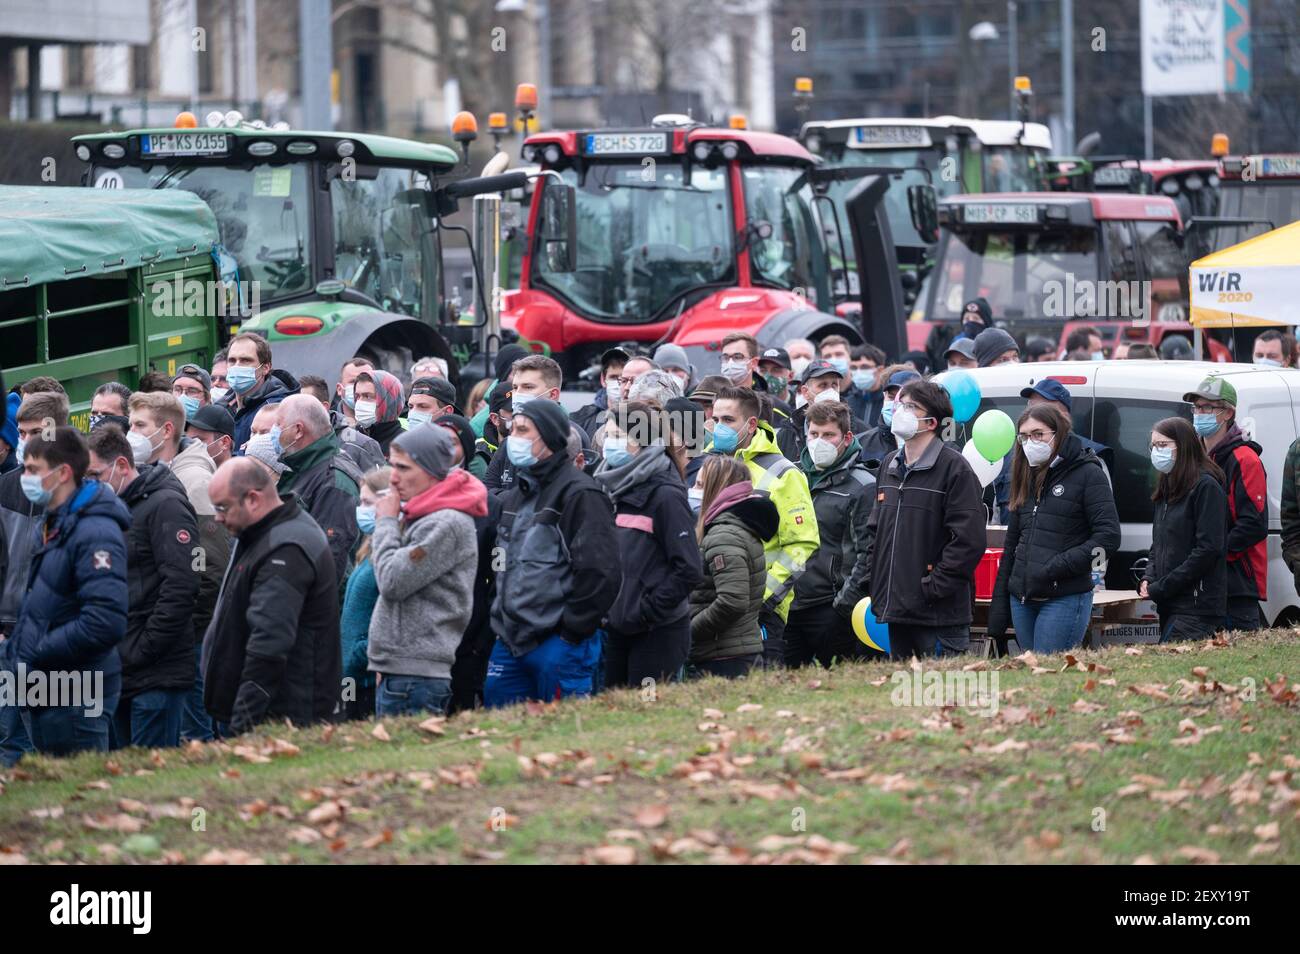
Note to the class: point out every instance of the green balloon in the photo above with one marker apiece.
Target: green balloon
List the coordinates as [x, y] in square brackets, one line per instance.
[993, 434]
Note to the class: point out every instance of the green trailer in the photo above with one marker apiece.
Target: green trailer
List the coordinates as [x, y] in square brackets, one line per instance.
[106, 285]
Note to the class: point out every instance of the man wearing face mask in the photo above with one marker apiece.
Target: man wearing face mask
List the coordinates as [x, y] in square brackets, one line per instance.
[738, 431]
[192, 386]
[253, 382]
[1214, 407]
[843, 492]
[592, 416]
[533, 378]
[880, 441]
[837, 350]
[1275, 349]
[994, 346]
[919, 569]
[429, 398]
[74, 612]
[821, 382]
[672, 358]
[864, 396]
[561, 572]
[325, 480]
[158, 651]
[380, 399]
[777, 374]
[976, 316]
[110, 406]
[345, 396]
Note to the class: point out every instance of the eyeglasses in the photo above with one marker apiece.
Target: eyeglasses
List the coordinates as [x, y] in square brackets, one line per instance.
[225, 508]
[188, 392]
[1204, 408]
[1163, 445]
[1041, 436]
[909, 406]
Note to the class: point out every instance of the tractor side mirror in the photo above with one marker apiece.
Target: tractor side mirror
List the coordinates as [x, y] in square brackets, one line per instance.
[559, 226]
[923, 204]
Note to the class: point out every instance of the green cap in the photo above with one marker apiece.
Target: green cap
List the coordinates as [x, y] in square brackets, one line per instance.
[1213, 388]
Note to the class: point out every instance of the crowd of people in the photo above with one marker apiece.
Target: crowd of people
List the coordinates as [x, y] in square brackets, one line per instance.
[235, 544]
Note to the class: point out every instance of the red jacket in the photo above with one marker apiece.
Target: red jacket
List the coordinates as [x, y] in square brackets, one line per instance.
[1247, 541]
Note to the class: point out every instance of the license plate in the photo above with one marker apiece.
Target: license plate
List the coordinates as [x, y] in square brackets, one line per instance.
[1281, 166]
[626, 144]
[185, 144]
[892, 136]
[1113, 176]
[1017, 214]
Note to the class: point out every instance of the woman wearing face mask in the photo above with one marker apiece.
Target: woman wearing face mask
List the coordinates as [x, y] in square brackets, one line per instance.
[734, 521]
[1186, 572]
[359, 601]
[1063, 525]
[649, 631]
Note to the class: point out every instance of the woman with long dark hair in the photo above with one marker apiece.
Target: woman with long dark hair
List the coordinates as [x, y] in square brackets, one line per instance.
[1186, 572]
[1063, 523]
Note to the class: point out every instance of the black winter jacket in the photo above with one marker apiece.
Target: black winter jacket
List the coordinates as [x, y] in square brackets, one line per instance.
[279, 384]
[791, 434]
[877, 444]
[273, 650]
[1186, 572]
[843, 496]
[925, 538]
[327, 483]
[562, 570]
[162, 584]
[1053, 542]
[19, 518]
[656, 542]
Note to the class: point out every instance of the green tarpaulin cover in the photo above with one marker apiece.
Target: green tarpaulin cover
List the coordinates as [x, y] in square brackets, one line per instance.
[50, 234]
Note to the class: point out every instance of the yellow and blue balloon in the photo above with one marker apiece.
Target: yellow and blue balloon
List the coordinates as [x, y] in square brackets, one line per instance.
[867, 628]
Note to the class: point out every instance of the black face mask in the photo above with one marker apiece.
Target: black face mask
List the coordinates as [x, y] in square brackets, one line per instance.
[99, 420]
[971, 328]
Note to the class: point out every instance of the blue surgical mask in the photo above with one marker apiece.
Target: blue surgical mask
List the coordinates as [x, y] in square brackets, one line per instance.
[519, 400]
[839, 364]
[18, 452]
[863, 379]
[1267, 363]
[725, 438]
[520, 451]
[241, 379]
[1206, 424]
[416, 418]
[1099, 356]
[34, 489]
[275, 440]
[616, 452]
[1162, 459]
[191, 405]
[887, 412]
[366, 519]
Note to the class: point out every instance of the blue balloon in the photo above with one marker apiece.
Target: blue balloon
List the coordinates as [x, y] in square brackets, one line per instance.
[965, 393]
[867, 628]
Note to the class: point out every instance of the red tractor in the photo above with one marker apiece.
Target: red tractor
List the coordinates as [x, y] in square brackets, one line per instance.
[1049, 262]
[685, 233]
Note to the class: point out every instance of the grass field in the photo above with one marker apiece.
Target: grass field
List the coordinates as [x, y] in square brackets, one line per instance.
[1158, 754]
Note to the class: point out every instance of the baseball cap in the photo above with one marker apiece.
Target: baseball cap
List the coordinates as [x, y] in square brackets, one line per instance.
[502, 399]
[963, 346]
[817, 369]
[899, 378]
[214, 418]
[1213, 388]
[1050, 389]
[777, 355]
[613, 356]
[195, 372]
[439, 388]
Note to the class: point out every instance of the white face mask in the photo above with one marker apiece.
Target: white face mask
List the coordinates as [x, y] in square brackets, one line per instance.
[1037, 452]
[141, 448]
[905, 424]
[1268, 363]
[799, 401]
[216, 393]
[613, 391]
[830, 394]
[366, 412]
[822, 452]
[736, 372]
[797, 365]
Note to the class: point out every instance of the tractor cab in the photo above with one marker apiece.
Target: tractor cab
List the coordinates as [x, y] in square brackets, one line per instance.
[1048, 262]
[1261, 191]
[685, 232]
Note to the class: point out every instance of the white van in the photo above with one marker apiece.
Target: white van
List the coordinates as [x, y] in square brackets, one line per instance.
[1116, 403]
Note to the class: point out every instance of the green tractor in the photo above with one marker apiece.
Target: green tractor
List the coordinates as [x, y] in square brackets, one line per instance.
[332, 240]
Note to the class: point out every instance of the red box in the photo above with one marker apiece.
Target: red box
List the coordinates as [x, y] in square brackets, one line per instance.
[986, 574]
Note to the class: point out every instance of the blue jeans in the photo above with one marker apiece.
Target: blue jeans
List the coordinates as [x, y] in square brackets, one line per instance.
[66, 730]
[195, 721]
[150, 720]
[407, 695]
[1243, 614]
[553, 670]
[14, 743]
[1051, 626]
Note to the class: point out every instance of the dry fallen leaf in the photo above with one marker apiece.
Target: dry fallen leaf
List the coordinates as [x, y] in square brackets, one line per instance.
[328, 811]
[380, 733]
[613, 855]
[1199, 855]
[651, 816]
[1267, 832]
[748, 707]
